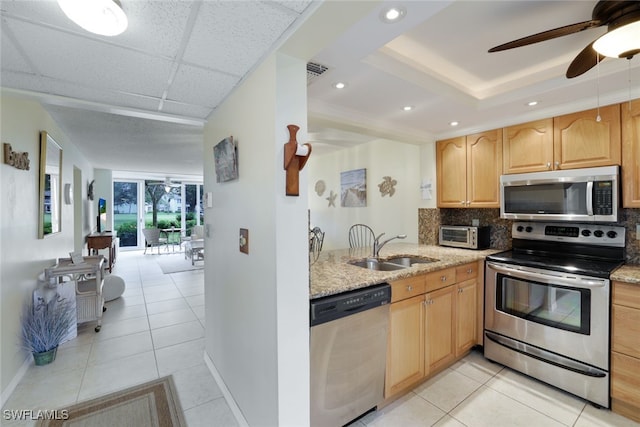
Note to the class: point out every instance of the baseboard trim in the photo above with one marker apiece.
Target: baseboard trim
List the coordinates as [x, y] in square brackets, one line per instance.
[6, 393]
[235, 409]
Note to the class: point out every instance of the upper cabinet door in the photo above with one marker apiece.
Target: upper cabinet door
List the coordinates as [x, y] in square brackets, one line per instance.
[528, 147]
[451, 164]
[581, 141]
[630, 154]
[484, 167]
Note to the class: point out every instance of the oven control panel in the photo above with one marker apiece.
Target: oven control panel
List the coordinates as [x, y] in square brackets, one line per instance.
[590, 234]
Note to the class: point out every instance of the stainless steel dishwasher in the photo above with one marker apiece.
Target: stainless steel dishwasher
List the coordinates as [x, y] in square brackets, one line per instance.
[348, 342]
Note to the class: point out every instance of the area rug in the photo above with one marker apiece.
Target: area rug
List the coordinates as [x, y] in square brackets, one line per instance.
[152, 404]
[175, 263]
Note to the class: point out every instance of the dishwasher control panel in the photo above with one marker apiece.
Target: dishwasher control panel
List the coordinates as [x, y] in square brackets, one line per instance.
[334, 307]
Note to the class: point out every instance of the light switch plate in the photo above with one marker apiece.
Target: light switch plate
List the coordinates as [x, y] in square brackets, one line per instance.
[244, 241]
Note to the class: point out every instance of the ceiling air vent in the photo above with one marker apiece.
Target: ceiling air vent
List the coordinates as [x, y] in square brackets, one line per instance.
[314, 70]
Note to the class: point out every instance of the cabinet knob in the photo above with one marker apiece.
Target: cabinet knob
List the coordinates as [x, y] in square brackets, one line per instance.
[548, 165]
[557, 165]
[409, 288]
[443, 278]
[462, 202]
[468, 203]
[460, 290]
[469, 271]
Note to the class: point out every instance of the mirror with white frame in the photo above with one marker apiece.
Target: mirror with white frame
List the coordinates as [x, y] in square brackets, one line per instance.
[50, 186]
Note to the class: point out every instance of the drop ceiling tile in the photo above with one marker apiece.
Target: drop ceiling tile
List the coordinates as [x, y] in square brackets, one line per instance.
[10, 58]
[297, 6]
[33, 83]
[201, 87]
[102, 65]
[156, 27]
[233, 36]
[39, 12]
[186, 110]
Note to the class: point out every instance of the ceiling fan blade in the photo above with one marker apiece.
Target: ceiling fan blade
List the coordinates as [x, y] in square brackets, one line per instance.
[586, 59]
[548, 35]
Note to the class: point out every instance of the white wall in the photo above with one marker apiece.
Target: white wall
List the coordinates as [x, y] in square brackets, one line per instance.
[23, 255]
[428, 172]
[257, 304]
[393, 215]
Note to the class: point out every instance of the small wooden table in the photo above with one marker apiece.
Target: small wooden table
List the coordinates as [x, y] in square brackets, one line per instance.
[97, 241]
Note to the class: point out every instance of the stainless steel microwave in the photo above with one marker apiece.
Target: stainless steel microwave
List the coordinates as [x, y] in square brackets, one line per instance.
[589, 194]
[462, 236]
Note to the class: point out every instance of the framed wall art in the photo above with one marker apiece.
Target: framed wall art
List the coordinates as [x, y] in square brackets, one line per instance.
[225, 155]
[353, 188]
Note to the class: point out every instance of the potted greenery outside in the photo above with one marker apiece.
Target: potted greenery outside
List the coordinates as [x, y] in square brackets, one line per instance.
[44, 326]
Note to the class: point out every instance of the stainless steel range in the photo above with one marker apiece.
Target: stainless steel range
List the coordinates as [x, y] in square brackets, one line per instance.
[547, 304]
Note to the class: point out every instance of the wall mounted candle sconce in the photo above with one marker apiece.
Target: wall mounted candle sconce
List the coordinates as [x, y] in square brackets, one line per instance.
[295, 157]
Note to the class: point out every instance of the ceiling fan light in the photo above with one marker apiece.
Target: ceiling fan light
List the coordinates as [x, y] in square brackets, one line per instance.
[622, 42]
[103, 17]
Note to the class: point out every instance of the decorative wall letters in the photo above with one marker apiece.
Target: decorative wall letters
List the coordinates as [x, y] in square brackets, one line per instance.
[15, 159]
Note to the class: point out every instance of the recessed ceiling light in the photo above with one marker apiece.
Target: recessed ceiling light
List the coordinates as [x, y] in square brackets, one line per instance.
[407, 108]
[340, 85]
[392, 14]
[454, 123]
[532, 103]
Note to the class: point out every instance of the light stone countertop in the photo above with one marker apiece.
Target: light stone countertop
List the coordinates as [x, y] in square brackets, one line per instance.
[627, 273]
[331, 274]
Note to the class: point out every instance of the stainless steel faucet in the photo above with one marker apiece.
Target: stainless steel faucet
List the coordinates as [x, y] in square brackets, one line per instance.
[377, 245]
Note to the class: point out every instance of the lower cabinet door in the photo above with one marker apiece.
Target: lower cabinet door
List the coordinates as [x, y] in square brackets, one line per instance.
[466, 316]
[439, 328]
[405, 345]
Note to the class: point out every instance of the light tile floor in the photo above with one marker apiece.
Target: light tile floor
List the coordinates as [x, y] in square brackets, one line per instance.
[478, 393]
[157, 329]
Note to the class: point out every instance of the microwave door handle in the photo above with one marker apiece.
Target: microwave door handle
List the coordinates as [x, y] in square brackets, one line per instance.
[590, 198]
[547, 278]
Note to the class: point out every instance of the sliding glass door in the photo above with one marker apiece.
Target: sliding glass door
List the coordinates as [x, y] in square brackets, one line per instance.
[128, 213]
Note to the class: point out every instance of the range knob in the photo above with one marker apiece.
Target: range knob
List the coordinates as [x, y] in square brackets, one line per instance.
[598, 233]
[529, 229]
[520, 228]
[586, 233]
[611, 234]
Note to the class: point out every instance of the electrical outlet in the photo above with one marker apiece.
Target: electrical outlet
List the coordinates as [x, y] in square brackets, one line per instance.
[475, 222]
[637, 231]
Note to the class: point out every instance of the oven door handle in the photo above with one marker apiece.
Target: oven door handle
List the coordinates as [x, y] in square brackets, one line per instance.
[549, 278]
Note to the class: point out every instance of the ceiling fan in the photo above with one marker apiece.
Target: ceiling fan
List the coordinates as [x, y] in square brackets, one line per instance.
[622, 39]
[167, 184]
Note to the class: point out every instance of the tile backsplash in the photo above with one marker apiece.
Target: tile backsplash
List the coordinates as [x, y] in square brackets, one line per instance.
[429, 221]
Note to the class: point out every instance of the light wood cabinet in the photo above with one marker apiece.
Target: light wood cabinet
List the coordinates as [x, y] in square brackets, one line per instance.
[439, 322]
[468, 170]
[466, 299]
[630, 113]
[581, 141]
[451, 169]
[405, 344]
[571, 141]
[528, 147]
[625, 350]
[433, 322]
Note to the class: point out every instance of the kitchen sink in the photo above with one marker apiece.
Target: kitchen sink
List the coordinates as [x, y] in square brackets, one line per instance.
[374, 264]
[409, 261]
